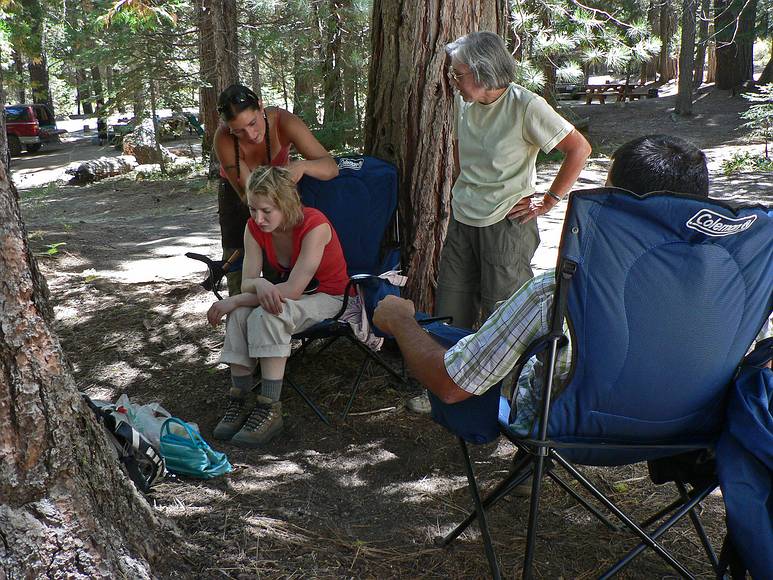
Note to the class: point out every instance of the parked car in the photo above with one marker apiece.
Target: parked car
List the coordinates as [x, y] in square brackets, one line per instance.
[30, 126]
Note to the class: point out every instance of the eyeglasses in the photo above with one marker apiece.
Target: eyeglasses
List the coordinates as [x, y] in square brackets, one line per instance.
[455, 76]
[243, 95]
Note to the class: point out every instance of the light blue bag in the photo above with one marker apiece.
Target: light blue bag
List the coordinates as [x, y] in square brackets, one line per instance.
[189, 454]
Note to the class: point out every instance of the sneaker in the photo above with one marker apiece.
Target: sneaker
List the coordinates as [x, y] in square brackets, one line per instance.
[263, 424]
[240, 406]
[419, 404]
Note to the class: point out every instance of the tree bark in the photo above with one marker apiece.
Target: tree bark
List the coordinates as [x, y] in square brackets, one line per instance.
[84, 90]
[767, 73]
[332, 83]
[96, 83]
[703, 40]
[735, 42]
[686, 59]
[226, 43]
[18, 65]
[3, 137]
[208, 71]
[666, 64]
[711, 56]
[67, 510]
[37, 64]
[410, 114]
[255, 80]
[304, 101]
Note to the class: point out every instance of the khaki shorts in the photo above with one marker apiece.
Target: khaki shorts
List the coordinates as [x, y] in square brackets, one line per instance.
[252, 333]
[481, 266]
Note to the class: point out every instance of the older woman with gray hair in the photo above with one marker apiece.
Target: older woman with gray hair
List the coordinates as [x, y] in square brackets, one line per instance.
[499, 127]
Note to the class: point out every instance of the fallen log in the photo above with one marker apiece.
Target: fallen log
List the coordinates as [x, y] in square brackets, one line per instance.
[96, 169]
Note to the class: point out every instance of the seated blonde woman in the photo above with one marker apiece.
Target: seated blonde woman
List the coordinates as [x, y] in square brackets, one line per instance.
[300, 244]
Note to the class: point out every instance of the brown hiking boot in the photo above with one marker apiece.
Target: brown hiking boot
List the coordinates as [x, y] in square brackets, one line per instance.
[262, 425]
[240, 405]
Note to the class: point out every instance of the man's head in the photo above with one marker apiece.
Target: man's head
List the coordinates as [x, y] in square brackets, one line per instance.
[659, 163]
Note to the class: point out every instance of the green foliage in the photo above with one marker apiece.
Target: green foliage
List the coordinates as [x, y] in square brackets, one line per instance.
[759, 116]
[573, 39]
[53, 249]
[743, 162]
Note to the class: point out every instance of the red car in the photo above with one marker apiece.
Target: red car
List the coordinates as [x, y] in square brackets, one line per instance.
[30, 126]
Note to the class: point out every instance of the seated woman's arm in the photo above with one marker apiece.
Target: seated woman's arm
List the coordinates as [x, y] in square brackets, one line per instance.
[312, 248]
[270, 296]
[252, 264]
[317, 162]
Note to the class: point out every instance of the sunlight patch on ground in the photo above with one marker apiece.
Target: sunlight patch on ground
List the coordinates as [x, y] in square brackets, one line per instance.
[354, 458]
[419, 491]
[273, 528]
[119, 373]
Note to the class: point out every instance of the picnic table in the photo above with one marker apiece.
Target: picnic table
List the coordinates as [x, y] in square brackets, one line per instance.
[622, 92]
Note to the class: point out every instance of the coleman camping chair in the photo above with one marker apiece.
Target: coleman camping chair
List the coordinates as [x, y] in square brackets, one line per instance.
[663, 295]
[361, 204]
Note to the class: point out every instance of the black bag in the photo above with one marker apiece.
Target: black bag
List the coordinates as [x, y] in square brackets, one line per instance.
[143, 463]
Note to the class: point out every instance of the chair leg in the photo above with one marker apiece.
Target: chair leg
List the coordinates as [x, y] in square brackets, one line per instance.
[517, 476]
[355, 388]
[646, 538]
[664, 512]
[581, 500]
[678, 515]
[375, 356]
[531, 531]
[699, 529]
[482, 523]
[309, 402]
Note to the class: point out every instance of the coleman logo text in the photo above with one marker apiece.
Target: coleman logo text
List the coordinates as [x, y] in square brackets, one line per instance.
[713, 224]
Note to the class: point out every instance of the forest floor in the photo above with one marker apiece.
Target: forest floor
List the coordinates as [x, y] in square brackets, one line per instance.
[366, 497]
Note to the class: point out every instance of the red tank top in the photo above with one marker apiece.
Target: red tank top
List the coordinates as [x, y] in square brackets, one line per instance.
[280, 160]
[331, 273]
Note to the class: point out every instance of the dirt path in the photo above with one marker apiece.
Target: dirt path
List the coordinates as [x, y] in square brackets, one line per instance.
[365, 498]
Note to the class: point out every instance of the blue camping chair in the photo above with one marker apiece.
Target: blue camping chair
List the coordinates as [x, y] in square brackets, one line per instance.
[361, 204]
[663, 295]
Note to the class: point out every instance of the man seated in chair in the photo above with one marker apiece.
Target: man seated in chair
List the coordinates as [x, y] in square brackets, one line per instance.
[481, 360]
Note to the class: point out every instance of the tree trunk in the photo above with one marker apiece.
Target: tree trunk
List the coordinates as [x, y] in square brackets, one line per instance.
[208, 71]
[332, 82]
[410, 114]
[84, 90]
[67, 510]
[711, 56]
[226, 43]
[649, 69]
[666, 65]
[767, 73]
[735, 42]
[703, 40]
[37, 64]
[96, 83]
[255, 81]
[304, 101]
[18, 65]
[686, 59]
[3, 137]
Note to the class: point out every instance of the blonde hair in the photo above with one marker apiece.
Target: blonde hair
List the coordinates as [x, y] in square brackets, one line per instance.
[275, 184]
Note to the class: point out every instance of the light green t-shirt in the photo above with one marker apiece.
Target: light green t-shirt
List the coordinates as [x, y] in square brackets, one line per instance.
[498, 145]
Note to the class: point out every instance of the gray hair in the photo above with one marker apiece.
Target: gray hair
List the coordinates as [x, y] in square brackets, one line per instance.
[487, 56]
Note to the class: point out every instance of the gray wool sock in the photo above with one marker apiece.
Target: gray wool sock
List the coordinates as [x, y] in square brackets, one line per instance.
[241, 386]
[271, 388]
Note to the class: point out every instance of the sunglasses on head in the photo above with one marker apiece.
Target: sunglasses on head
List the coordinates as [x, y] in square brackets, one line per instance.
[243, 95]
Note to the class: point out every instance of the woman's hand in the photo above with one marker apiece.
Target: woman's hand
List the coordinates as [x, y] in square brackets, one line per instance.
[269, 296]
[219, 309]
[296, 169]
[528, 208]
